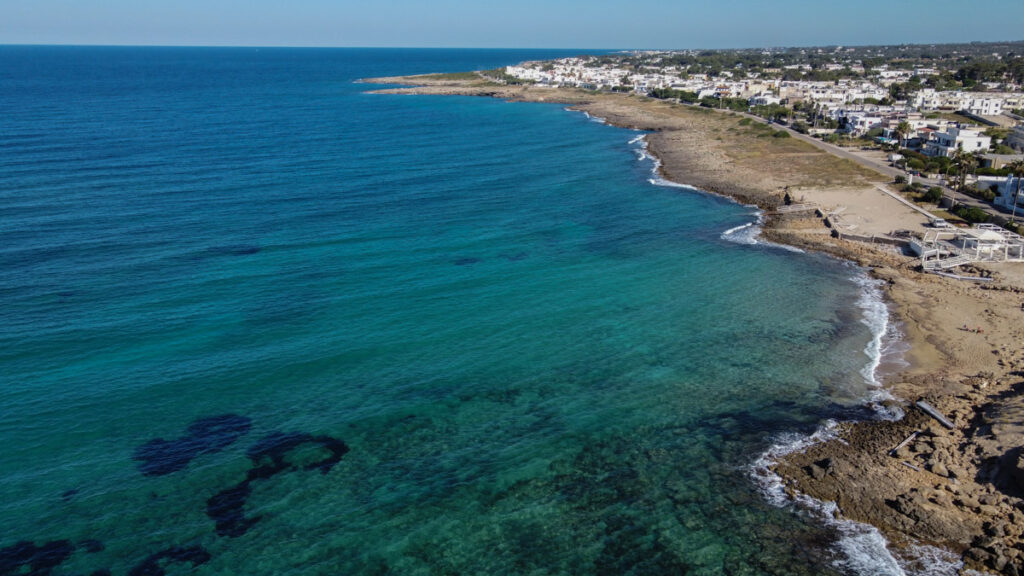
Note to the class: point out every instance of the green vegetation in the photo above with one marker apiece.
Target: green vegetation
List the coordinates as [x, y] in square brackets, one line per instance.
[454, 76]
[772, 112]
[734, 104]
[670, 94]
[933, 195]
[997, 132]
[928, 164]
[971, 214]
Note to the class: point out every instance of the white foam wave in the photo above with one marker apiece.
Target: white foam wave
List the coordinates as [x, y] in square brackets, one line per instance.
[745, 234]
[750, 234]
[884, 337]
[770, 482]
[589, 116]
[862, 548]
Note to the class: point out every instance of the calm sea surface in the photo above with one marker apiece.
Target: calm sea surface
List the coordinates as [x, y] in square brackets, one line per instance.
[257, 321]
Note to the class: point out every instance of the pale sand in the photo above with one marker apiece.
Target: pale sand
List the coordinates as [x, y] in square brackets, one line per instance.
[967, 494]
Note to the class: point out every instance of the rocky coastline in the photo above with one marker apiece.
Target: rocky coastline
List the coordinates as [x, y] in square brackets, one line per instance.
[961, 489]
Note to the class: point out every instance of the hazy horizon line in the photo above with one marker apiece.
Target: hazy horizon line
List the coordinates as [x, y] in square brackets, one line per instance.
[382, 47]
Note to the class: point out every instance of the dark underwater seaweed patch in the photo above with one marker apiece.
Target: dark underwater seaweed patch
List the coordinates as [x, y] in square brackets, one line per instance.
[226, 509]
[466, 261]
[40, 560]
[234, 250]
[269, 457]
[514, 257]
[92, 546]
[159, 457]
[276, 446]
[155, 564]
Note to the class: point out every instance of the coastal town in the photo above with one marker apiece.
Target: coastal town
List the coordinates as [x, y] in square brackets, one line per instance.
[945, 121]
[949, 116]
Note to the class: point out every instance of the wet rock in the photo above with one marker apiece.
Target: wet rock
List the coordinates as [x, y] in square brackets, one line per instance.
[155, 564]
[977, 554]
[821, 468]
[816, 472]
[160, 457]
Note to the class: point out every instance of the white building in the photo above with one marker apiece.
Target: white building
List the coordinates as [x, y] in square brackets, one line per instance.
[983, 106]
[955, 138]
[859, 123]
[764, 100]
[1006, 193]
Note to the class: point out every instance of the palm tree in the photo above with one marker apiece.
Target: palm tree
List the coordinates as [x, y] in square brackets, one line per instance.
[965, 162]
[903, 129]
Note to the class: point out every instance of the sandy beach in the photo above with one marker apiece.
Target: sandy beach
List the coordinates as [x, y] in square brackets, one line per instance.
[959, 489]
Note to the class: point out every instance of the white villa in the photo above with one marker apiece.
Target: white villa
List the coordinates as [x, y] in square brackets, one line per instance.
[955, 138]
[1007, 193]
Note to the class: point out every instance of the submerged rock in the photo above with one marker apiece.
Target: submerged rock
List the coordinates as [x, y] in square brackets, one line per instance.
[26, 558]
[269, 458]
[226, 509]
[160, 457]
[155, 564]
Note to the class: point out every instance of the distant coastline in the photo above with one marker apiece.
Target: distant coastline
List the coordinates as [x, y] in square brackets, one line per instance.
[957, 489]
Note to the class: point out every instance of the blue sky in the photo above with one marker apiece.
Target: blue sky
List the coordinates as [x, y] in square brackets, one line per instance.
[502, 23]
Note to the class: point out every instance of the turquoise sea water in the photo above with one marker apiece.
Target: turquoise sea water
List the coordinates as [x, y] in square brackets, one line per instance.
[257, 321]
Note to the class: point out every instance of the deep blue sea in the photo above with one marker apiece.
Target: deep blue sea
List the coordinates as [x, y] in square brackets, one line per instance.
[255, 320]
